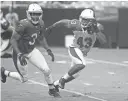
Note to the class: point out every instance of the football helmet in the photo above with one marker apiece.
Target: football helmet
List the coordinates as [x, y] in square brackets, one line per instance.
[87, 18]
[34, 13]
[4, 24]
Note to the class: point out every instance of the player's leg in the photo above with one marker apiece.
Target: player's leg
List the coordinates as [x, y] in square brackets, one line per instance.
[37, 59]
[78, 63]
[21, 73]
[5, 47]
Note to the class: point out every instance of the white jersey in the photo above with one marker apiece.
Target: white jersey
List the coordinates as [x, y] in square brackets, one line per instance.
[83, 40]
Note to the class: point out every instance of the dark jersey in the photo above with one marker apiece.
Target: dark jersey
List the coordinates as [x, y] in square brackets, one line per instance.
[29, 34]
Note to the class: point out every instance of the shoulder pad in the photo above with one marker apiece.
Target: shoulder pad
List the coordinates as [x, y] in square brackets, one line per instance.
[100, 26]
[42, 23]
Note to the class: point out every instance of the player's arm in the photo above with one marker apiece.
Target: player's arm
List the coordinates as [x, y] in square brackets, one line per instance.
[59, 24]
[14, 41]
[42, 40]
[100, 34]
[16, 36]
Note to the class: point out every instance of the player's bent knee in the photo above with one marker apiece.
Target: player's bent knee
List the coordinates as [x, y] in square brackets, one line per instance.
[76, 68]
[47, 71]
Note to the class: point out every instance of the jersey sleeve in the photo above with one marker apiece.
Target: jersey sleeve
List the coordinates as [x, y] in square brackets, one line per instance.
[70, 24]
[42, 31]
[20, 27]
[62, 23]
[42, 28]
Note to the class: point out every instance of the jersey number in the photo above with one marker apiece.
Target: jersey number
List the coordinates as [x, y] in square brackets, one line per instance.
[87, 40]
[33, 38]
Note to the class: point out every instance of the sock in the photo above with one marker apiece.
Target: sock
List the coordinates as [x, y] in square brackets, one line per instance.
[6, 72]
[66, 76]
[49, 81]
[56, 82]
[51, 86]
[14, 75]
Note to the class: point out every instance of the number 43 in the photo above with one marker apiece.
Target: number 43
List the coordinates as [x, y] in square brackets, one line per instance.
[87, 40]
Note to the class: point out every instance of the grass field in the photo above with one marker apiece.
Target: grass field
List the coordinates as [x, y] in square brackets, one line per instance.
[105, 78]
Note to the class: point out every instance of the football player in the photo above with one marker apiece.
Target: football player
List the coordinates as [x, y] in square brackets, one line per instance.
[6, 33]
[27, 33]
[85, 31]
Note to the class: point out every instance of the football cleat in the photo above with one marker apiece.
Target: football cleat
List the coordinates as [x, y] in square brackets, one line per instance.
[56, 88]
[54, 93]
[3, 76]
[62, 83]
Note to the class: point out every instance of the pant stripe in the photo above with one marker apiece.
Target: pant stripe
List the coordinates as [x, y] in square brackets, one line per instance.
[73, 53]
[7, 47]
[15, 62]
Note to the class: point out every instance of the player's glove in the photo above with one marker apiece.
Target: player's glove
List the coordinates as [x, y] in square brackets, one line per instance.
[22, 59]
[50, 53]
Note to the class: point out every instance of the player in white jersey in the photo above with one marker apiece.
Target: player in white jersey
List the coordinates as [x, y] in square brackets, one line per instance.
[85, 31]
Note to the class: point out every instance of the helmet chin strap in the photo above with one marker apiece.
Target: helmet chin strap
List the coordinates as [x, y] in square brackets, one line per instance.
[35, 22]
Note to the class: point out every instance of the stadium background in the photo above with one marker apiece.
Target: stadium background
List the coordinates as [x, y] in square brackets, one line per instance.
[113, 15]
[105, 77]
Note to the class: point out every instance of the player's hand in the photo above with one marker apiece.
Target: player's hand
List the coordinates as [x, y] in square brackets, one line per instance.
[22, 59]
[51, 54]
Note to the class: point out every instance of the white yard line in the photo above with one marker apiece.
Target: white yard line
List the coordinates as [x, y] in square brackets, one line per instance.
[125, 61]
[70, 91]
[111, 73]
[88, 84]
[98, 61]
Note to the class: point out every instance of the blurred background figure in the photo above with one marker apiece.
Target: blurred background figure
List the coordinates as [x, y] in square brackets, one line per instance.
[5, 36]
[12, 17]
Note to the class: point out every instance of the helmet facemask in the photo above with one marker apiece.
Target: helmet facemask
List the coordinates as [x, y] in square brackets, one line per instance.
[34, 16]
[86, 22]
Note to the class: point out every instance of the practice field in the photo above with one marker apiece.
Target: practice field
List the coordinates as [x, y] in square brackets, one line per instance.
[105, 78]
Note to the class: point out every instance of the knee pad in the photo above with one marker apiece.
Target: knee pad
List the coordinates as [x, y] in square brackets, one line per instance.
[75, 69]
[47, 71]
